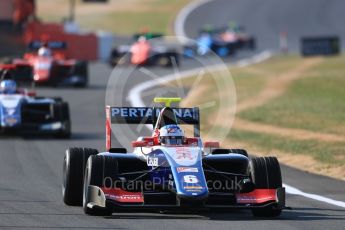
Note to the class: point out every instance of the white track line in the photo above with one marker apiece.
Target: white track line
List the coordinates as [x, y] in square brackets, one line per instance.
[134, 95]
[182, 16]
[135, 99]
[291, 190]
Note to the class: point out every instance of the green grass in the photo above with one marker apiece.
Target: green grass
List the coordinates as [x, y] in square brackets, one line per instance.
[128, 22]
[117, 16]
[245, 90]
[330, 153]
[314, 103]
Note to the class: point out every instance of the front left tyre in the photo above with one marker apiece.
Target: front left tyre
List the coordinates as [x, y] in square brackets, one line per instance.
[73, 174]
[266, 174]
[95, 172]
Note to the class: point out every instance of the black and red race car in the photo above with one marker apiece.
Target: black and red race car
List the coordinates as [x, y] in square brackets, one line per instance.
[48, 64]
[183, 173]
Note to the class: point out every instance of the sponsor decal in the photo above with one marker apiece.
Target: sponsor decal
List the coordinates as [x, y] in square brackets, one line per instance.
[174, 129]
[136, 112]
[187, 169]
[152, 161]
[11, 120]
[120, 195]
[257, 196]
[190, 179]
[192, 188]
[183, 154]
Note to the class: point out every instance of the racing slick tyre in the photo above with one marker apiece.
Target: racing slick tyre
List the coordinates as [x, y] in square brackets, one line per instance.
[170, 59]
[265, 173]
[119, 58]
[81, 70]
[23, 74]
[97, 169]
[61, 114]
[251, 44]
[73, 174]
[6, 60]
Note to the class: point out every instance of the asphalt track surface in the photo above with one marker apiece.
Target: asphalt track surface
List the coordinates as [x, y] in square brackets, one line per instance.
[31, 169]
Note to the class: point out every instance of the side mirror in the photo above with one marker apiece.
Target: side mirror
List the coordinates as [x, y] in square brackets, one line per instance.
[211, 144]
[136, 144]
[246, 186]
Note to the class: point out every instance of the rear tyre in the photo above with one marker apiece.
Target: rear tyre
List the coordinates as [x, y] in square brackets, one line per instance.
[266, 174]
[252, 44]
[6, 60]
[73, 174]
[61, 114]
[95, 172]
[115, 58]
[172, 59]
[81, 70]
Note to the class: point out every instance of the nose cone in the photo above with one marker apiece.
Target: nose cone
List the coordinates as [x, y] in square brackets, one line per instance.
[41, 75]
[10, 121]
[9, 117]
[190, 183]
[42, 67]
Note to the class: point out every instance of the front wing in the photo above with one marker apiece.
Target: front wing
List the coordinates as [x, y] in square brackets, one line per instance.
[103, 198]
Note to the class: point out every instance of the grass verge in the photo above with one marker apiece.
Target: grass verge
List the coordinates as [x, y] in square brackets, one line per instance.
[312, 102]
[117, 16]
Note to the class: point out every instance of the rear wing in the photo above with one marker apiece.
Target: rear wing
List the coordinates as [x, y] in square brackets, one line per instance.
[147, 35]
[54, 45]
[148, 115]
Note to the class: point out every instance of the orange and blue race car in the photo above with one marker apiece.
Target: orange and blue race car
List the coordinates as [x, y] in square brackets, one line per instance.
[48, 64]
[169, 170]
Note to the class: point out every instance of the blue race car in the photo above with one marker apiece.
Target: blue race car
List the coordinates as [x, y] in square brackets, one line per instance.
[22, 112]
[169, 170]
[223, 41]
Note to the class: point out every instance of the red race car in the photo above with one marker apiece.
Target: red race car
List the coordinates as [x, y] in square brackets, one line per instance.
[48, 64]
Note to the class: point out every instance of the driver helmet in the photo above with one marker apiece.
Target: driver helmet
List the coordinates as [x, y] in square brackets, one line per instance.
[44, 52]
[142, 39]
[8, 87]
[171, 135]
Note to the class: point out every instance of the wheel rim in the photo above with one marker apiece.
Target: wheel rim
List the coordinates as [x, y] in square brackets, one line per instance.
[85, 186]
[64, 179]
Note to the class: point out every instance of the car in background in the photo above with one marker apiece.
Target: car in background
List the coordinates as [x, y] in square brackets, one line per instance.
[23, 112]
[146, 49]
[223, 41]
[48, 64]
